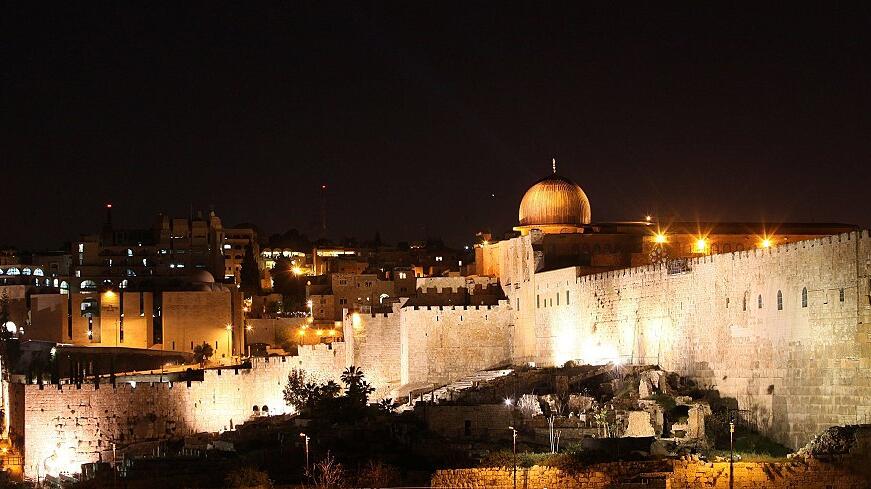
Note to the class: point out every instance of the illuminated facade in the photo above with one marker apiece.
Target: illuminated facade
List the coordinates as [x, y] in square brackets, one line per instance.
[763, 313]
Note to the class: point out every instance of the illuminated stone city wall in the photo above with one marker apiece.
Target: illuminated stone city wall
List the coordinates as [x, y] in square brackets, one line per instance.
[63, 428]
[372, 343]
[440, 344]
[798, 369]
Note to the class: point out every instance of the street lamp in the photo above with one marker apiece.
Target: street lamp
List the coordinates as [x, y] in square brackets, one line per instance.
[514, 449]
[731, 451]
[229, 340]
[248, 329]
[307, 438]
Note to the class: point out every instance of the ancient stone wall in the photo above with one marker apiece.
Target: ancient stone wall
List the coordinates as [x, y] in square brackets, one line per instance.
[746, 475]
[65, 426]
[785, 330]
[440, 344]
[483, 421]
[372, 343]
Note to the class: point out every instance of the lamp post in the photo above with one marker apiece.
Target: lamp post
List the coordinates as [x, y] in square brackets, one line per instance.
[229, 341]
[731, 451]
[307, 438]
[248, 330]
[514, 450]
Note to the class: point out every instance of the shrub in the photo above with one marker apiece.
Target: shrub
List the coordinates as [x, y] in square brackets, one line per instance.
[248, 477]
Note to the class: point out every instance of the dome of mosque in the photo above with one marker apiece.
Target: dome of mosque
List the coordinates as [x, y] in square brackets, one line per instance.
[554, 200]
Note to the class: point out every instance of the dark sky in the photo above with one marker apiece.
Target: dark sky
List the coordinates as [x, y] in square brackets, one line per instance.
[415, 113]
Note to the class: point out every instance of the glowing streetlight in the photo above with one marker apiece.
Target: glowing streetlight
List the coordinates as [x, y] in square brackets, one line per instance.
[648, 218]
[307, 438]
[765, 243]
[701, 245]
[229, 339]
[514, 449]
[660, 238]
[731, 450]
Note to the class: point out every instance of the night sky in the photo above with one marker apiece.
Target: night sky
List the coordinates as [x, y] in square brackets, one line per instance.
[416, 114]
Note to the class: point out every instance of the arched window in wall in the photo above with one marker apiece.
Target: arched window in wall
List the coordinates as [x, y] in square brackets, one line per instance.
[804, 297]
[744, 302]
[88, 285]
[759, 300]
[779, 301]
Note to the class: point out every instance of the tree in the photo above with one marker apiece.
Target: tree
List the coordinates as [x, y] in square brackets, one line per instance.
[386, 405]
[330, 389]
[301, 394]
[202, 353]
[294, 391]
[357, 390]
[249, 276]
[377, 474]
[5, 334]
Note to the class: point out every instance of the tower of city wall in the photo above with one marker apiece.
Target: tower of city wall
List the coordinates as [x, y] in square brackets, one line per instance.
[63, 426]
[372, 343]
[440, 344]
[798, 369]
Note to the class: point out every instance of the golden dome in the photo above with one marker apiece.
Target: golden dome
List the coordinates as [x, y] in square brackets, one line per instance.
[554, 201]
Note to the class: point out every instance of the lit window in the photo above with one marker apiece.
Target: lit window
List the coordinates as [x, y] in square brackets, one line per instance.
[39, 273]
[25, 271]
[438, 258]
[402, 275]
[13, 271]
[81, 247]
[129, 252]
